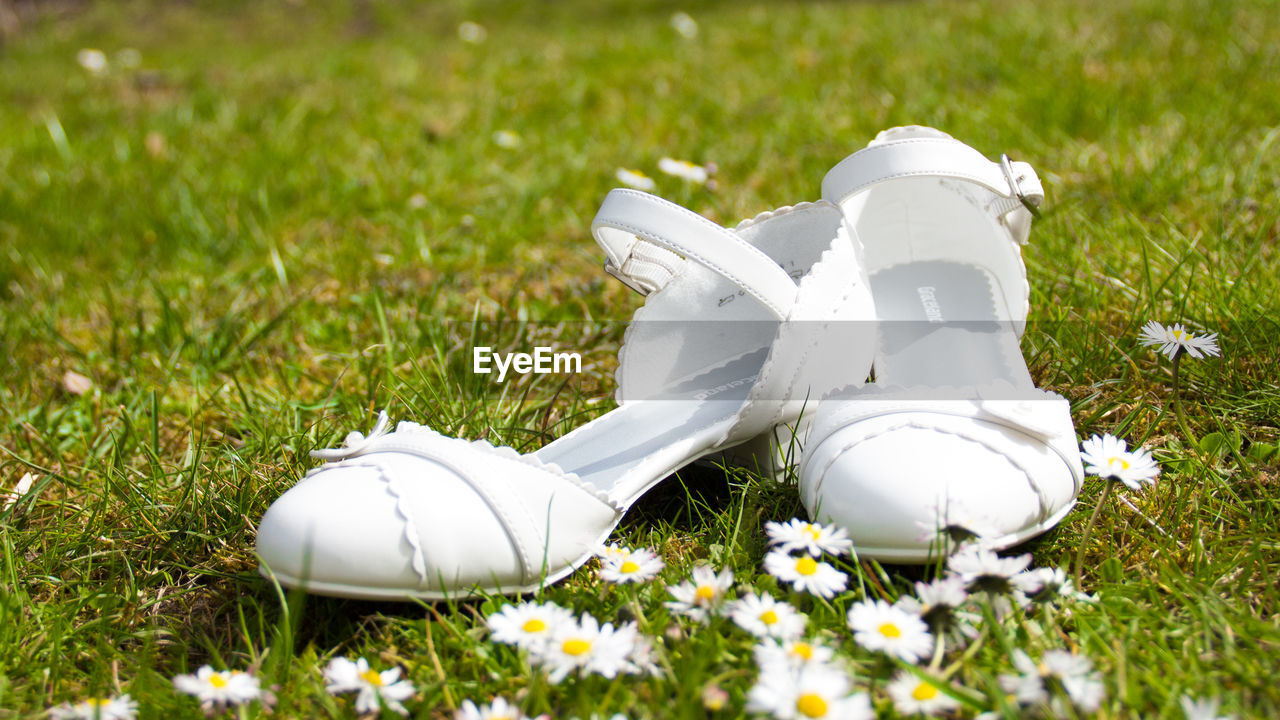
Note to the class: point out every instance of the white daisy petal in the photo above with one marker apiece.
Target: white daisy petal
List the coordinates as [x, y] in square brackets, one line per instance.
[912, 694]
[637, 566]
[588, 647]
[813, 538]
[788, 655]
[373, 689]
[1109, 457]
[813, 691]
[805, 574]
[765, 617]
[635, 179]
[113, 708]
[1175, 339]
[684, 170]
[879, 626]
[219, 689]
[702, 596]
[499, 709]
[527, 625]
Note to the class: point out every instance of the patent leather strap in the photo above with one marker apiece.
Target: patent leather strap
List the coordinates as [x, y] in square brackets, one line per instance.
[647, 239]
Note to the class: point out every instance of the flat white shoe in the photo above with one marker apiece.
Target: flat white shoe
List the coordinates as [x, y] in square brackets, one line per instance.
[730, 342]
[953, 435]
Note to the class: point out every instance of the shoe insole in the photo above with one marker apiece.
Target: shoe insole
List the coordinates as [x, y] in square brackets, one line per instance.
[633, 446]
[939, 328]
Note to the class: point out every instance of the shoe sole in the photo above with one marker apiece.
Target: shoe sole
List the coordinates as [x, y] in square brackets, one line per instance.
[921, 557]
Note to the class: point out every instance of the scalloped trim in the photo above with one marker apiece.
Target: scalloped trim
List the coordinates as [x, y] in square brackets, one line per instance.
[414, 431]
[418, 561]
[784, 210]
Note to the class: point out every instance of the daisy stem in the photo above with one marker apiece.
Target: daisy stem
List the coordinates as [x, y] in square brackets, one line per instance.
[1177, 400]
[938, 643]
[968, 654]
[1084, 539]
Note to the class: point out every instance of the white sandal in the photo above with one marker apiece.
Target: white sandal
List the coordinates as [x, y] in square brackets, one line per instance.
[728, 344]
[953, 435]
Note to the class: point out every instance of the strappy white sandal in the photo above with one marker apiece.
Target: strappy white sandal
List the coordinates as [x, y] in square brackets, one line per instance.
[953, 435]
[730, 342]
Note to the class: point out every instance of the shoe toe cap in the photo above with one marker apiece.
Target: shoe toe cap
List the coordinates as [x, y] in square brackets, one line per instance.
[896, 490]
[349, 530]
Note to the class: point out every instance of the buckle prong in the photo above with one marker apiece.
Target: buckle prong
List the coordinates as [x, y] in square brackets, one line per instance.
[1006, 166]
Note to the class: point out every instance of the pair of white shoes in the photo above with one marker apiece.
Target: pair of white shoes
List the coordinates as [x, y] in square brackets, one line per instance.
[911, 262]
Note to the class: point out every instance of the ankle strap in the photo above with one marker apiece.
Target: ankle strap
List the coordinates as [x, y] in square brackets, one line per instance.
[646, 240]
[1015, 186]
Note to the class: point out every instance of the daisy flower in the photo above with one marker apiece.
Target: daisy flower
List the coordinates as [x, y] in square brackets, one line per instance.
[1109, 457]
[702, 596]
[374, 689]
[470, 32]
[499, 709]
[1175, 339]
[640, 565]
[613, 551]
[1047, 585]
[804, 573]
[684, 170]
[815, 539]
[92, 60]
[527, 625]
[714, 697]
[765, 617]
[635, 179]
[508, 139]
[218, 689]
[116, 708]
[786, 655]
[877, 625]
[589, 647]
[640, 660]
[956, 523]
[912, 694]
[982, 569]
[815, 691]
[937, 603]
[1074, 673]
[1204, 709]
[684, 25]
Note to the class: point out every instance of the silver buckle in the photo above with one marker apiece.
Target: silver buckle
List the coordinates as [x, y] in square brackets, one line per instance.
[615, 271]
[1006, 166]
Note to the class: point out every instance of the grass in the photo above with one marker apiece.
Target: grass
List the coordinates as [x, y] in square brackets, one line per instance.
[293, 215]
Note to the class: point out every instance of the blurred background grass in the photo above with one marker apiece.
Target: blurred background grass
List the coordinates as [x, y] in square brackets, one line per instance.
[286, 216]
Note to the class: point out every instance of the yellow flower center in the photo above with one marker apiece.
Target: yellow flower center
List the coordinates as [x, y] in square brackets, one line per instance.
[534, 625]
[802, 649]
[806, 565]
[99, 702]
[924, 691]
[576, 647]
[705, 593]
[217, 681]
[890, 630]
[629, 566]
[1113, 462]
[372, 677]
[768, 617]
[811, 705]
[811, 531]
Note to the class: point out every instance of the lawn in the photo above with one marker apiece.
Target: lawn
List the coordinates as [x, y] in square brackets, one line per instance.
[260, 223]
